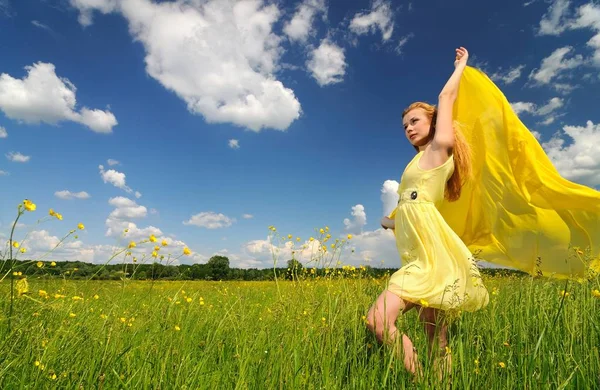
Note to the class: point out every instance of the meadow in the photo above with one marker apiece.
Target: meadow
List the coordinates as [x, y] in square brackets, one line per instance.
[308, 333]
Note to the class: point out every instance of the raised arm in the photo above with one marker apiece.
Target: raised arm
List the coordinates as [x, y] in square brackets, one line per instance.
[444, 130]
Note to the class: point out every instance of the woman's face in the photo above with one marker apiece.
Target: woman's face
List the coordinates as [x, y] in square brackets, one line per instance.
[416, 126]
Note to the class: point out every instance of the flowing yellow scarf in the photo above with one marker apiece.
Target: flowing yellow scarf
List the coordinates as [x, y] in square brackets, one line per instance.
[518, 211]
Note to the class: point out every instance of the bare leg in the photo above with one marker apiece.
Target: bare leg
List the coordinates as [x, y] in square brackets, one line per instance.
[381, 320]
[436, 330]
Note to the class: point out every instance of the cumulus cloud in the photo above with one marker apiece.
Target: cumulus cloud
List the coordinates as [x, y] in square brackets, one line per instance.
[358, 221]
[17, 157]
[579, 161]
[42, 96]
[220, 57]
[67, 195]
[247, 216]
[508, 76]
[555, 20]
[210, 220]
[3, 173]
[300, 27]
[555, 65]
[547, 110]
[379, 18]
[560, 18]
[327, 63]
[112, 162]
[389, 196]
[3, 133]
[234, 144]
[117, 179]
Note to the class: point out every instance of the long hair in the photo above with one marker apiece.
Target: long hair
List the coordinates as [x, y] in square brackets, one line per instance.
[461, 152]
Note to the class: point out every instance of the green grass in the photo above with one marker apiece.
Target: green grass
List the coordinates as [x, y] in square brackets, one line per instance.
[303, 335]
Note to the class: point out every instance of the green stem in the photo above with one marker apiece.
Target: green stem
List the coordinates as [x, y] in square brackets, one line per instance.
[12, 277]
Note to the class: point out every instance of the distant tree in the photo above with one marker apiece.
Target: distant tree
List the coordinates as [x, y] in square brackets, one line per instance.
[218, 267]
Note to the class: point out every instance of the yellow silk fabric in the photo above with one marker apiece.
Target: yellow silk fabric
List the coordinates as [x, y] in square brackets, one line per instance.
[518, 210]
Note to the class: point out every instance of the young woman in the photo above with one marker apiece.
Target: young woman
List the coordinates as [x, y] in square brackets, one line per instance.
[439, 273]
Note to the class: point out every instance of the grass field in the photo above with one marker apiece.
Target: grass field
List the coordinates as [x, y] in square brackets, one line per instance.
[266, 335]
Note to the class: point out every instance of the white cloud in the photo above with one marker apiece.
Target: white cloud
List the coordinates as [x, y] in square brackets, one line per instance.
[86, 8]
[220, 57]
[508, 76]
[380, 17]
[299, 28]
[210, 220]
[234, 144]
[112, 162]
[589, 17]
[359, 220]
[554, 65]
[117, 179]
[580, 160]
[3, 133]
[389, 196]
[42, 96]
[247, 216]
[520, 107]
[546, 110]
[41, 25]
[555, 20]
[65, 194]
[327, 63]
[403, 42]
[17, 157]
[3, 173]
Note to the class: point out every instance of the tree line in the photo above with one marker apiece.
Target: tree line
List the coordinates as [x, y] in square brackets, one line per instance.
[217, 268]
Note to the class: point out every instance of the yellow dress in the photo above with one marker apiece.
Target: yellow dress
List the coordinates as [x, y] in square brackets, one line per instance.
[517, 211]
[439, 270]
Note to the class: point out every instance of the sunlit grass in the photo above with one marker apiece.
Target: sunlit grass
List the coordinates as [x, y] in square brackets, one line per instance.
[308, 333]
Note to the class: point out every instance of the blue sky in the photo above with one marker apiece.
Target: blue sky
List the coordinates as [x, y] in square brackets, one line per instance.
[221, 118]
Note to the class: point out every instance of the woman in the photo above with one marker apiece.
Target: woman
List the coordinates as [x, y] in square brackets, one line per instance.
[439, 273]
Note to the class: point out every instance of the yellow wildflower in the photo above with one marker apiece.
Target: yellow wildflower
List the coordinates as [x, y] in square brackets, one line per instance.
[349, 236]
[157, 248]
[502, 365]
[311, 239]
[23, 250]
[72, 315]
[154, 254]
[423, 303]
[51, 213]
[188, 299]
[29, 205]
[186, 251]
[177, 328]
[152, 238]
[39, 264]
[53, 376]
[564, 293]
[80, 226]
[321, 231]
[596, 293]
[43, 293]
[96, 296]
[53, 264]
[289, 236]
[16, 244]
[164, 243]
[131, 245]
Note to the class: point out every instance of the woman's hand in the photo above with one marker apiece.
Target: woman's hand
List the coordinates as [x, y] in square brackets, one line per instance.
[387, 223]
[462, 55]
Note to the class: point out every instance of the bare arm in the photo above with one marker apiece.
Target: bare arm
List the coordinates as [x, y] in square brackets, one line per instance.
[444, 130]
